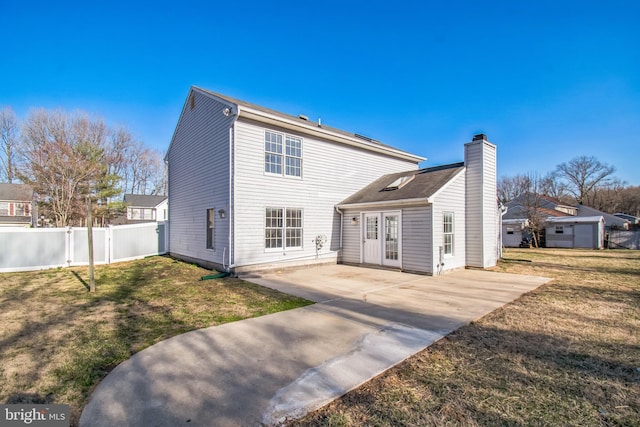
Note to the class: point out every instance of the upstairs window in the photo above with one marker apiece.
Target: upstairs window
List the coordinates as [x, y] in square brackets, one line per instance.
[293, 156]
[273, 153]
[282, 154]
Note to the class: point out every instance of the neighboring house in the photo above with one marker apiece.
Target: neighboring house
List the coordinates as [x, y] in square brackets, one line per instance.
[252, 188]
[145, 208]
[632, 219]
[565, 226]
[611, 222]
[17, 206]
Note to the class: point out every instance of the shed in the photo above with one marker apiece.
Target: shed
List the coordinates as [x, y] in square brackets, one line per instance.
[513, 231]
[575, 232]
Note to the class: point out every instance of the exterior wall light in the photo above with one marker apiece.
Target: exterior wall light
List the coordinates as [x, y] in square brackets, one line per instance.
[222, 213]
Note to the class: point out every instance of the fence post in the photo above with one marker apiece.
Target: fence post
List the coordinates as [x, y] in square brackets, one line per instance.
[108, 246]
[69, 246]
[92, 281]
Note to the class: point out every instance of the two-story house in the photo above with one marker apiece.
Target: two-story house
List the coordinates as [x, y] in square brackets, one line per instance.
[253, 188]
[16, 205]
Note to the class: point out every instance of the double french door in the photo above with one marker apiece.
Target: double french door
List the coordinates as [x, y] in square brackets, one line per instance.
[381, 242]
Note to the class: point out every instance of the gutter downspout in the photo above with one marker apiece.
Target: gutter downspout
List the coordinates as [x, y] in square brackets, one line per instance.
[231, 178]
[503, 211]
[341, 225]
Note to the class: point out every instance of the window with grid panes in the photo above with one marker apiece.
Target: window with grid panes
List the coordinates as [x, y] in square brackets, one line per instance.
[447, 229]
[282, 154]
[283, 228]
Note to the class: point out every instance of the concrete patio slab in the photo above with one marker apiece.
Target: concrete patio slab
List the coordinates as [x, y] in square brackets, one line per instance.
[264, 370]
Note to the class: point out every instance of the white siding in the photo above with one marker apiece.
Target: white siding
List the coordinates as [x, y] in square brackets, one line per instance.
[351, 237]
[417, 238]
[451, 198]
[330, 173]
[481, 227]
[199, 179]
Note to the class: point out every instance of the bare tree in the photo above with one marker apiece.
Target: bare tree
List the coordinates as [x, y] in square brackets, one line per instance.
[630, 200]
[152, 173]
[552, 185]
[510, 188]
[583, 174]
[531, 202]
[9, 138]
[608, 197]
[63, 156]
[146, 171]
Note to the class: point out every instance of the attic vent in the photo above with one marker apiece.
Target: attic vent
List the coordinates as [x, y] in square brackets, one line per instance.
[399, 183]
[366, 138]
[303, 117]
[192, 102]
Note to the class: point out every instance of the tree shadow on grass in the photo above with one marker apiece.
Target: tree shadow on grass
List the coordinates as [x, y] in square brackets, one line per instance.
[81, 280]
[110, 333]
[26, 398]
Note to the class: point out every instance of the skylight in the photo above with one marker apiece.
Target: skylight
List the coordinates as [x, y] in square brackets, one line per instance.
[399, 183]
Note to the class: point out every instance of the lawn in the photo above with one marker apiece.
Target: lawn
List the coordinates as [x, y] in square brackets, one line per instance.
[57, 340]
[566, 354]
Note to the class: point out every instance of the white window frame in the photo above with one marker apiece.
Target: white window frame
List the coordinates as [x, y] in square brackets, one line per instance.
[279, 226]
[283, 153]
[141, 214]
[451, 234]
[210, 230]
[273, 144]
[23, 207]
[12, 208]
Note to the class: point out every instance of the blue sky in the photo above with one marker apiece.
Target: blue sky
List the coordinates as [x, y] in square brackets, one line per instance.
[545, 80]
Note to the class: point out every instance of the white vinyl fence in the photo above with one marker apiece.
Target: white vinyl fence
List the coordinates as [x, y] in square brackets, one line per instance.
[24, 249]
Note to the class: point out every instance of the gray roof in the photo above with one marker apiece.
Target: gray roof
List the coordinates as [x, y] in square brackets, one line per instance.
[632, 219]
[609, 220]
[575, 219]
[425, 183]
[16, 192]
[302, 121]
[143, 201]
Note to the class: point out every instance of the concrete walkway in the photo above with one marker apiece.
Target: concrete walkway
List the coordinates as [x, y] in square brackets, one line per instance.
[264, 370]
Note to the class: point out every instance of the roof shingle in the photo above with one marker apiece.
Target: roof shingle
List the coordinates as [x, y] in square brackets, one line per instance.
[425, 183]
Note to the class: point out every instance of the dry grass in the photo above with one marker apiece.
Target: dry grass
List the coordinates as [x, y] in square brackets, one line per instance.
[565, 354]
[57, 341]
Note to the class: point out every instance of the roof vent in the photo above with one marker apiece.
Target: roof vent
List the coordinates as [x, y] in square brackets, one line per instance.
[303, 117]
[480, 137]
[366, 138]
